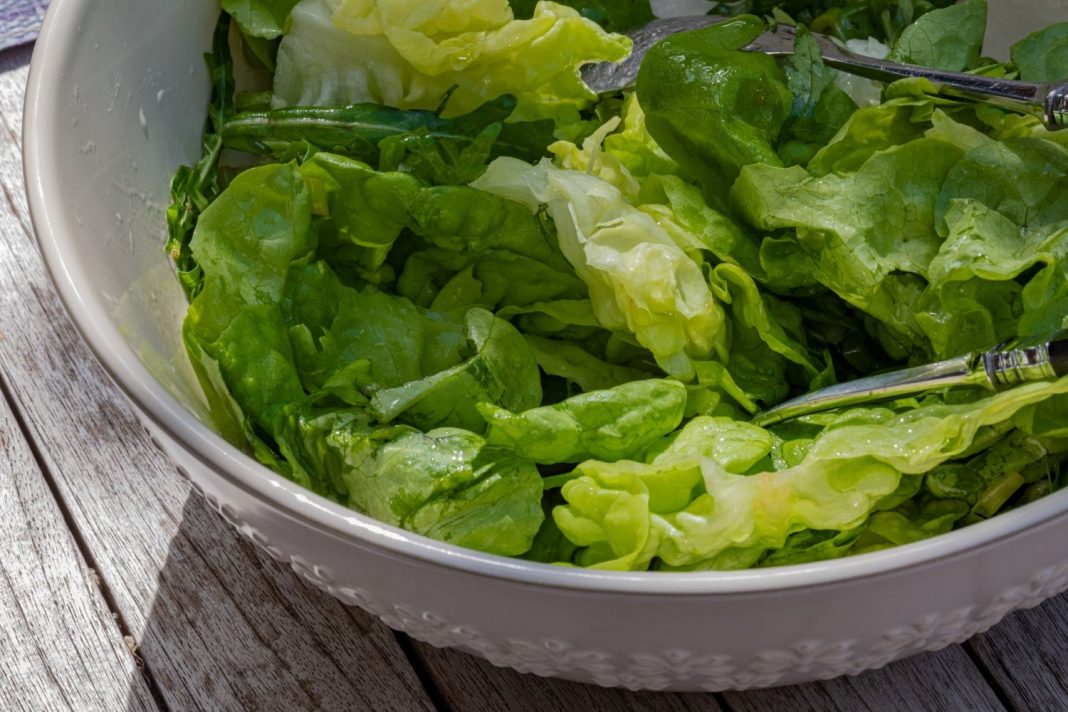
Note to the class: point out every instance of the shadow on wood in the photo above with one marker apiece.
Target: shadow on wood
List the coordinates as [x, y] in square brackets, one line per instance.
[229, 628]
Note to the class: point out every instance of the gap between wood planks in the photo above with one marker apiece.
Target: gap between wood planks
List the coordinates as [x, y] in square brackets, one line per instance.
[86, 553]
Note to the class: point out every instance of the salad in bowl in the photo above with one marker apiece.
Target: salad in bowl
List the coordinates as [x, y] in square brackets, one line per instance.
[436, 279]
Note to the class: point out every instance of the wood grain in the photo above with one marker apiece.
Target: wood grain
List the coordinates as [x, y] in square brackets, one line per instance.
[1027, 656]
[218, 626]
[946, 680]
[934, 682]
[58, 642]
[469, 684]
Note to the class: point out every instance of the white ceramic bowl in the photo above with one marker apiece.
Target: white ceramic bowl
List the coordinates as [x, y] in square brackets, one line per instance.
[116, 102]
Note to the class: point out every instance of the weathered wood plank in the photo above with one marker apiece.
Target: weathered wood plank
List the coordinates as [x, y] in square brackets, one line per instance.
[222, 627]
[469, 684]
[1027, 656]
[58, 643]
[218, 625]
[946, 680]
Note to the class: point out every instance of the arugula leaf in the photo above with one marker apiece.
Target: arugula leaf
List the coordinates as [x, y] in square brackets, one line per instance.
[193, 188]
[439, 150]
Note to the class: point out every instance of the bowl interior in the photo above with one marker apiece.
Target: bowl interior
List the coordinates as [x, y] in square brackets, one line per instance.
[117, 102]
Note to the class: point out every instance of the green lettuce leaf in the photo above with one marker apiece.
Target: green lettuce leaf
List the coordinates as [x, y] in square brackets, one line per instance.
[495, 279]
[609, 425]
[712, 108]
[625, 514]
[245, 242]
[640, 281]
[368, 209]
[867, 236]
[570, 361]
[265, 19]
[1025, 179]
[332, 326]
[412, 54]
[445, 484]
[502, 371]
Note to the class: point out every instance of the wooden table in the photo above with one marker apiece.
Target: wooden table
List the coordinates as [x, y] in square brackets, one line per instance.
[120, 590]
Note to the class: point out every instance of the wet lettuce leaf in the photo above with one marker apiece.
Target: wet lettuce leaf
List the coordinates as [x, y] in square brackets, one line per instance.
[610, 424]
[640, 281]
[278, 331]
[739, 100]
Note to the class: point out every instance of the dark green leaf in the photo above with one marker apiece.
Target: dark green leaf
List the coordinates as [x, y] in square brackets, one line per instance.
[195, 187]
[613, 15]
[443, 150]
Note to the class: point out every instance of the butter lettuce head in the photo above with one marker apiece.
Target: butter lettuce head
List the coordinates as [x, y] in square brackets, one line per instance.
[411, 54]
[559, 360]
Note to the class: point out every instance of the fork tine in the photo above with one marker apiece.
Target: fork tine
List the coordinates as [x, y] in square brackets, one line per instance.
[611, 76]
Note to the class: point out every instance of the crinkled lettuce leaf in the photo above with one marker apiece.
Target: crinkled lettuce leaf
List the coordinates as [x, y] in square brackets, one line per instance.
[412, 54]
[640, 281]
[610, 424]
[295, 358]
[626, 513]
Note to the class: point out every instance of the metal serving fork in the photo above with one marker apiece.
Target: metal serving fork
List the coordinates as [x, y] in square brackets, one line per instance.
[1047, 101]
[1022, 361]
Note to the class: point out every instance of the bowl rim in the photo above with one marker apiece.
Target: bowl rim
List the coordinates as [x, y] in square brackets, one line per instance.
[54, 229]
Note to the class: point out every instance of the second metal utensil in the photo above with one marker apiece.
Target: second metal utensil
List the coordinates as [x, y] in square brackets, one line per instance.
[1024, 361]
[1046, 101]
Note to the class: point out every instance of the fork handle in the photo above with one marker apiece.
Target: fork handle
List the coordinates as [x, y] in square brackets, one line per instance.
[1047, 101]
